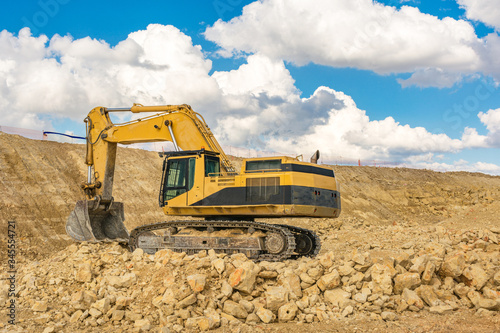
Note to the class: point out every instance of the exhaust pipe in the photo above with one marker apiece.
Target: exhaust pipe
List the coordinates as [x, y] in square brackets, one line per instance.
[315, 157]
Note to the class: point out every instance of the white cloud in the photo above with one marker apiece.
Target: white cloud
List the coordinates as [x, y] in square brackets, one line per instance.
[256, 105]
[460, 165]
[277, 119]
[66, 77]
[491, 120]
[348, 131]
[431, 77]
[472, 139]
[259, 75]
[362, 34]
[486, 11]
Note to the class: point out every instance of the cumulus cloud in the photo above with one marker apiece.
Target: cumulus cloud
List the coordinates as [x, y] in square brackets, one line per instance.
[486, 11]
[66, 77]
[348, 131]
[491, 120]
[256, 106]
[460, 165]
[431, 77]
[362, 34]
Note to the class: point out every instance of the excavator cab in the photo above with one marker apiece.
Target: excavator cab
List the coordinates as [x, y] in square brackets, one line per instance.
[183, 176]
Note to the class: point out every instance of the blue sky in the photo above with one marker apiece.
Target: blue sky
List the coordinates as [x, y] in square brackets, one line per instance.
[391, 82]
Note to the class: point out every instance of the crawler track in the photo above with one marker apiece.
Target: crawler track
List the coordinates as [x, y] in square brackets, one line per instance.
[281, 239]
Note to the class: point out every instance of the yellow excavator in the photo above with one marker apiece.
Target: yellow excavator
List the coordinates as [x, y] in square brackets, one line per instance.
[198, 180]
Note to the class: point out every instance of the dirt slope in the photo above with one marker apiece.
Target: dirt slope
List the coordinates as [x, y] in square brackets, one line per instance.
[40, 183]
[385, 195]
[387, 214]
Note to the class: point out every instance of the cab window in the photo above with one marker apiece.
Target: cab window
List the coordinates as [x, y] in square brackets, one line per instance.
[263, 166]
[212, 166]
[180, 177]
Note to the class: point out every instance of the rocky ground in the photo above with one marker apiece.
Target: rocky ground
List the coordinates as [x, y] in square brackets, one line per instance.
[413, 251]
[437, 279]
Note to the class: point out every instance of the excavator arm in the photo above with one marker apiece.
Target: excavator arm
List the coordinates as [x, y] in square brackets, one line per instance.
[179, 124]
[99, 217]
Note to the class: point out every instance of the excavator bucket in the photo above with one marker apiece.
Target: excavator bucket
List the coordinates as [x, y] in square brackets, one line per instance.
[86, 223]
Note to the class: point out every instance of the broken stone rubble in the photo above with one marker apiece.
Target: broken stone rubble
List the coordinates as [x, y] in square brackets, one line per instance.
[104, 286]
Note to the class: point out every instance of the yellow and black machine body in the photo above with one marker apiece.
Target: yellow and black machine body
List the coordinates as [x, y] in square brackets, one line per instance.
[198, 180]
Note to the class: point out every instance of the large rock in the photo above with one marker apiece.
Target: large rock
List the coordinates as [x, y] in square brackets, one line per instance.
[313, 290]
[428, 273]
[265, 315]
[491, 294]
[197, 282]
[137, 254]
[122, 302]
[347, 311]
[102, 305]
[326, 260]
[428, 295]
[243, 277]
[291, 282]
[276, 297]
[488, 304]
[441, 309]
[360, 297]
[453, 266]
[475, 276]
[252, 319]
[226, 289]
[219, 265]
[287, 312]
[82, 299]
[75, 316]
[117, 315]
[406, 280]
[39, 306]
[461, 290]
[124, 281]
[213, 318]
[143, 325]
[411, 298]
[249, 306]
[189, 300]
[304, 277]
[496, 278]
[84, 273]
[235, 309]
[329, 281]
[163, 256]
[181, 292]
[382, 278]
[388, 316]
[337, 297]
[435, 250]
[198, 323]
[95, 313]
[419, 264]
[346, 269]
